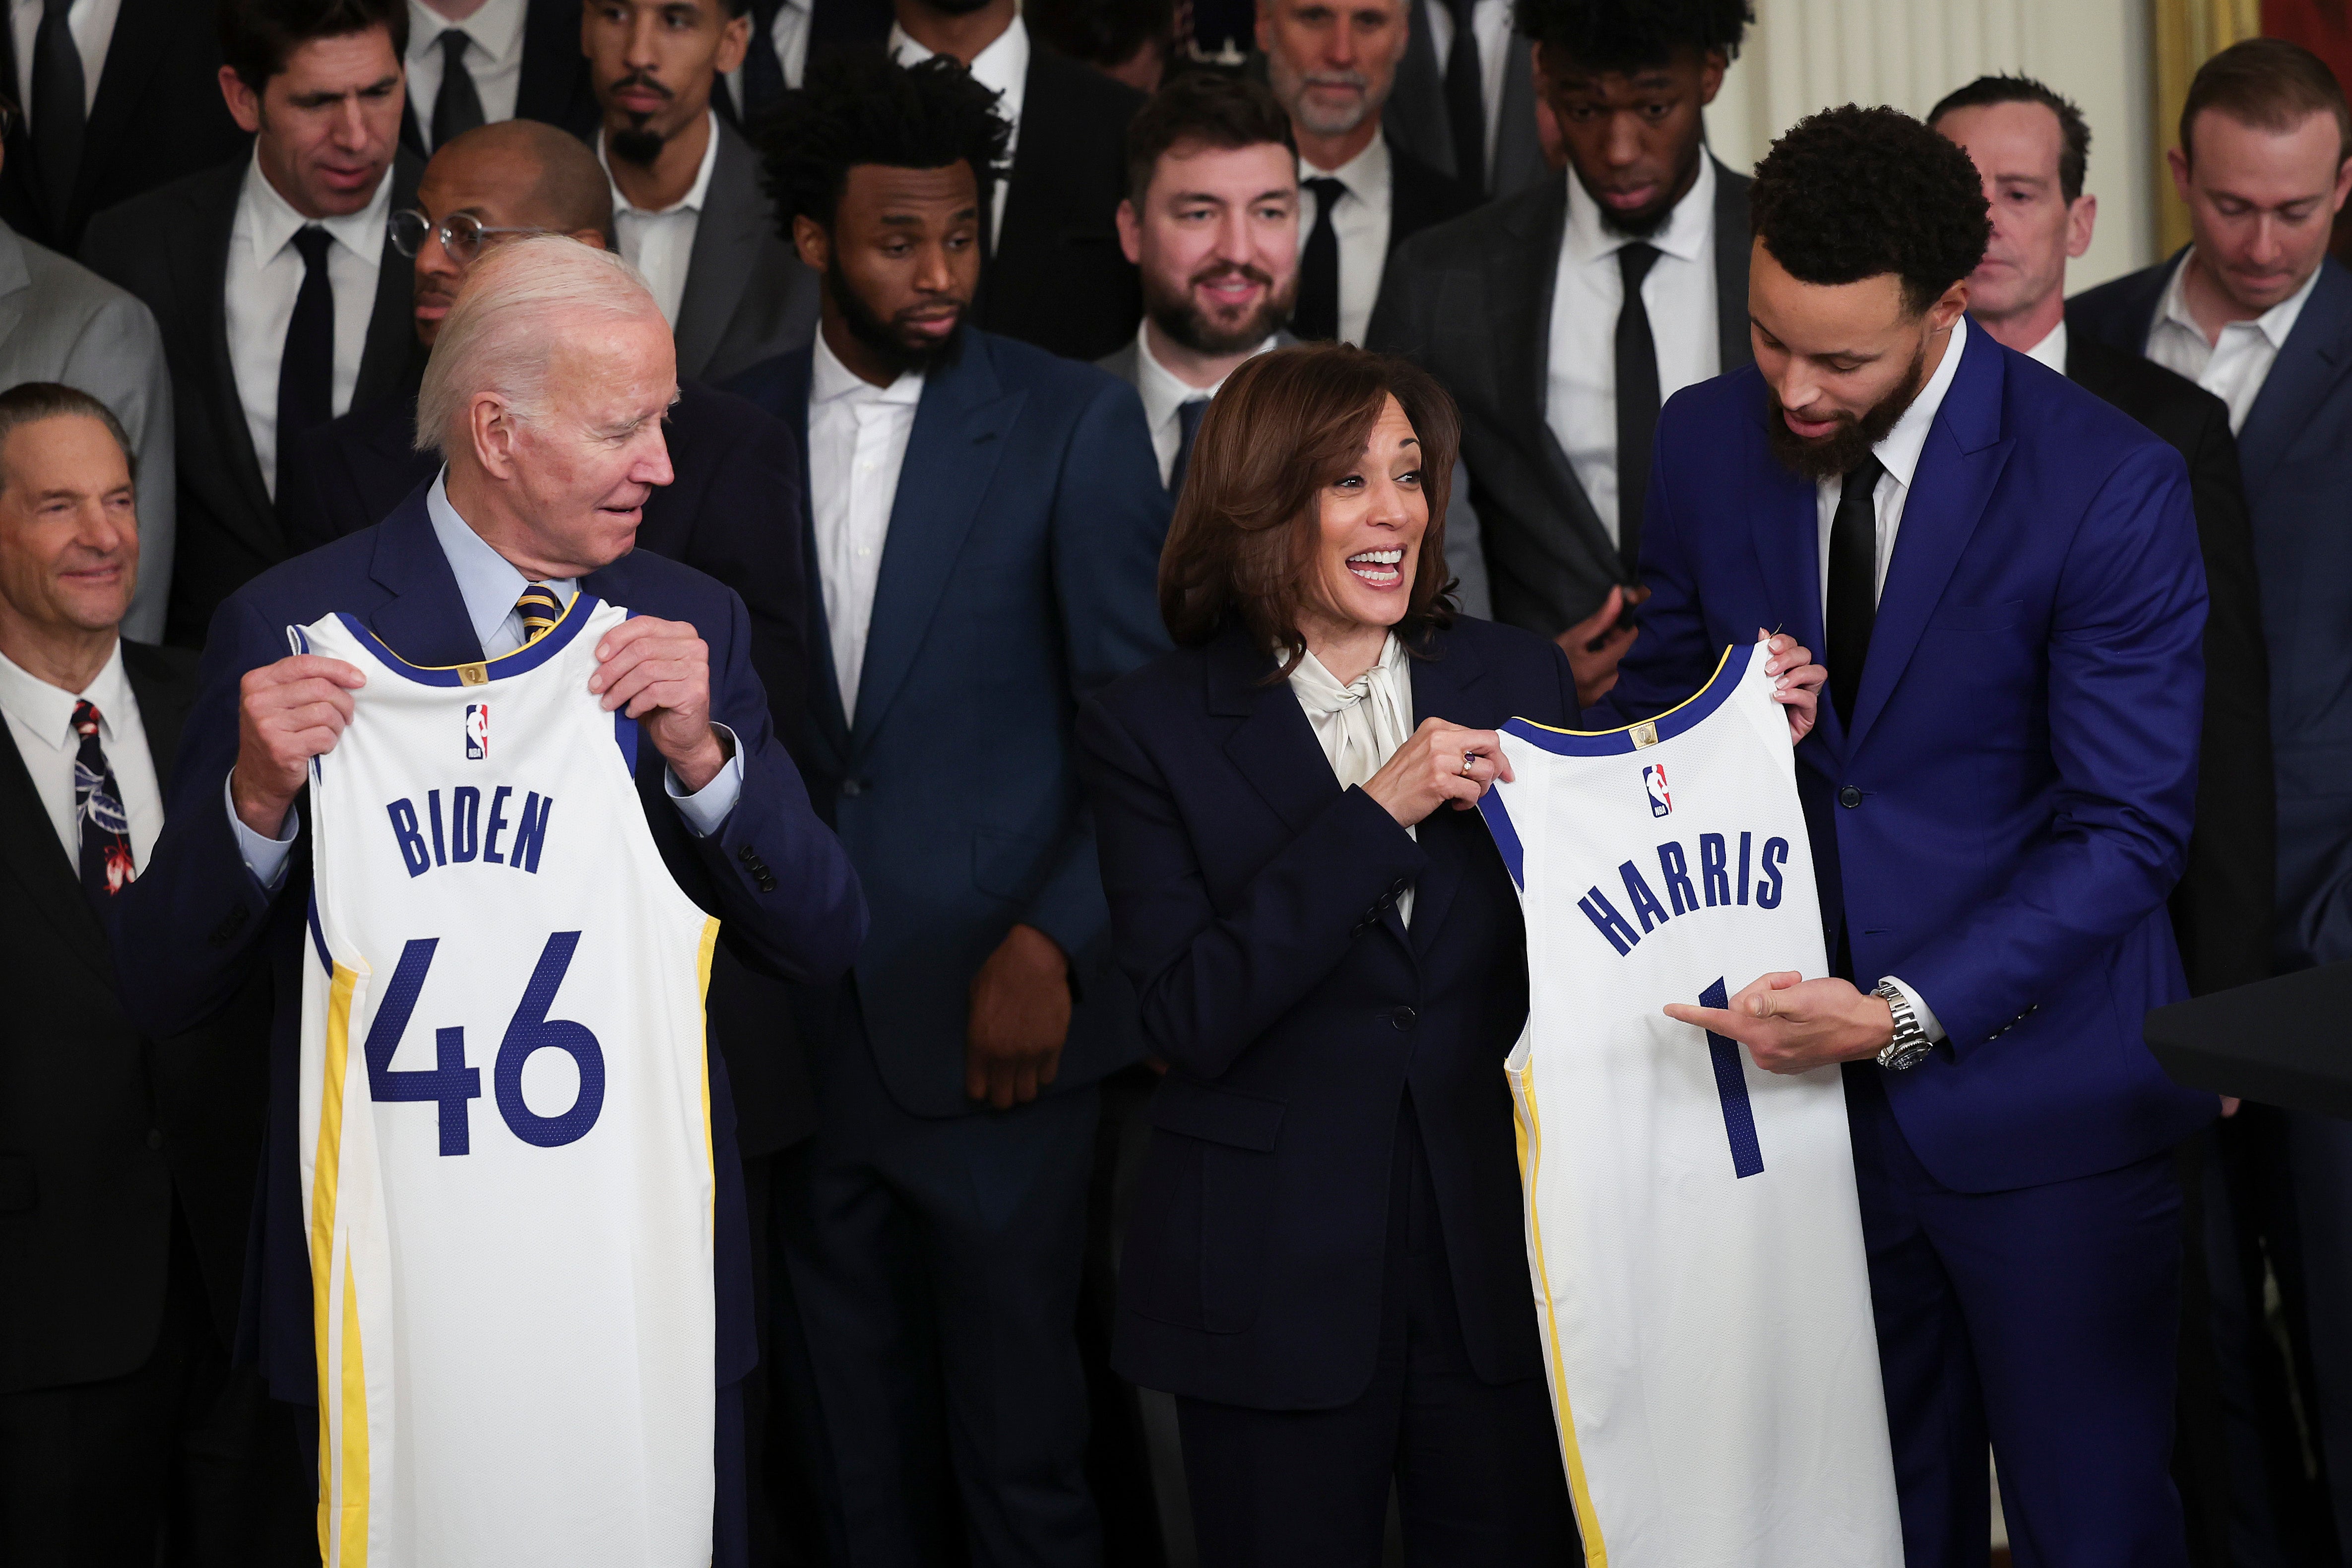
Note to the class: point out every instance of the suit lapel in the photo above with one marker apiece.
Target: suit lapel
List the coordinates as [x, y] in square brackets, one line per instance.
[424, 620]
[1273, 746]
[132, 53]
[16, 282]
[392, 327]
[29, 849]
[2314, 358]
[1415, 117]
[202, 251]
[726, 238]
[832, 724]
[1733, 248]
[951, 455]
[1957, 470]
[1442, 688]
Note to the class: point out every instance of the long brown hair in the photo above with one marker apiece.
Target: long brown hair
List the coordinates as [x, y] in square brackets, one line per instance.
[1285, 426]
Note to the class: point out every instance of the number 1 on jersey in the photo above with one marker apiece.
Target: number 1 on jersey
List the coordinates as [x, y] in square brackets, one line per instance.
[1731, 1088]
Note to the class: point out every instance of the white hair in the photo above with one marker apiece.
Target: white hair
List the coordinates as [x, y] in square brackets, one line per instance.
[501, 333]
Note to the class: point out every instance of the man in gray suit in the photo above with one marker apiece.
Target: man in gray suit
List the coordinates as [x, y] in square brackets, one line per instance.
[61, 322]
[686, 201]
[1445, 91]
[1560, 318]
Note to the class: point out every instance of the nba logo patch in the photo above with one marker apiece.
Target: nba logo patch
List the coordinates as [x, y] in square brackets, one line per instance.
[477, 733]
[1653, 779]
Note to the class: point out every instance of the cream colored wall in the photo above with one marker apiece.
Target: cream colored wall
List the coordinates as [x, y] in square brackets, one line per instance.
[1804, 54]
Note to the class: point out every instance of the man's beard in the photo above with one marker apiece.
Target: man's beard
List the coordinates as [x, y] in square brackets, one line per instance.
[640, 143]
[1290, 88]
[888, 343]
[1644, 222]
[1182, 317]
[1841, 452]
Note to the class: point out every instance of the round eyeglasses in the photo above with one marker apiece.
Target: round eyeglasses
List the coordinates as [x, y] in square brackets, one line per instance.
[462, 234]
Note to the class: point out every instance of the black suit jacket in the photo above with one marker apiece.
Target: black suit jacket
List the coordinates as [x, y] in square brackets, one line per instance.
[1420, 197]
[747, 296]
[553, 87]
[1058, 277]
[733, 512]
[100, 1126]
[158, 116]
[1253, 906]
[1470, 301]
[2222, 910]
[834, 25]
[170, 247]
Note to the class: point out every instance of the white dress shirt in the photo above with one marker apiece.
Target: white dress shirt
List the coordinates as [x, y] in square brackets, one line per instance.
[493, 58]
[1359, 727]
[2233, 369]
[660, 243]
[1899, 455]
[265, 274]
[1002, 68]
[857, 444]
[92, 23]
[1580, 384]
[40, 721]
[789, 34]
[1163, 393]
[2052, 350]
[1359, 221]
[1490, 24]
[488, 584]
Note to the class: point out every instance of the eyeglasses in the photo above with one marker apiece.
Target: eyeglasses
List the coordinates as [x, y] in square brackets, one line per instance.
[462, 234]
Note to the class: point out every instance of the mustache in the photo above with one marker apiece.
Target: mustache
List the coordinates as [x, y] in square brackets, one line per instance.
[1219, 271]
[1356, 79]
[642, 79]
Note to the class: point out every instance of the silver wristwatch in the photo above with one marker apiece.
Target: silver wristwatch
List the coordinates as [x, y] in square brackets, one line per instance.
[1910, 1045]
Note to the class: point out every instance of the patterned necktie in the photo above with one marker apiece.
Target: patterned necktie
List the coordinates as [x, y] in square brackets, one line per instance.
[540, 612]
[106, 864]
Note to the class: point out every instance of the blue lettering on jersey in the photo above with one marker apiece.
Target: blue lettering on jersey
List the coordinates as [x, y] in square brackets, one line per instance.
[466, 837]
[1768, 883]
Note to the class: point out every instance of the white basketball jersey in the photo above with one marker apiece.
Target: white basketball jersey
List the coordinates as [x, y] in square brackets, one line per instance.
[1692, 1225]
[506, 1157]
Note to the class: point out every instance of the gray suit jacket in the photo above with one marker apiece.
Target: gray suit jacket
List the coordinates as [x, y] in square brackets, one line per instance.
[1415, 117]
[747, 297]
[59, 322]
[1470, 302]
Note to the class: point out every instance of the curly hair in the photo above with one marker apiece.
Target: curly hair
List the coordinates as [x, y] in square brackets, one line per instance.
[862, 106]
[1855, 193]
[1630, 35]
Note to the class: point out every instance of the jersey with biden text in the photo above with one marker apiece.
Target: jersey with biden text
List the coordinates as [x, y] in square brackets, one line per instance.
[506, 1150]
[1693, 1234]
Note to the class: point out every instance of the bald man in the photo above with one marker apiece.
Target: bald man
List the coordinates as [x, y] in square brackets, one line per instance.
[732, 511]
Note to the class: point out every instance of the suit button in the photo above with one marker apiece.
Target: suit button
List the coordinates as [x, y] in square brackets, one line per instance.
[1404, 1017]
[1848, 796]
[154, 1138]
[744, 854]
[853, 787]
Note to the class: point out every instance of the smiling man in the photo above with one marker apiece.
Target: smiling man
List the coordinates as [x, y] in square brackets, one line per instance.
[303, 305]
[2001, 574]
[987, 520]
[1211, 223]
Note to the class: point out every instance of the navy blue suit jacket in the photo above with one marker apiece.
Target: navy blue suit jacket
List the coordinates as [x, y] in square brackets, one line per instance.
[196, 923]
[1254, 904]
[2004, 821]
[2295, 452]
[1018, 577]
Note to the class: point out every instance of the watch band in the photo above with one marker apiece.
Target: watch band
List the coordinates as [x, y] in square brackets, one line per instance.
[1910, 1045]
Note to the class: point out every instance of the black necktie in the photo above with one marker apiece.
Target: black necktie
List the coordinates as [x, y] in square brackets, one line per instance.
[106, 863]
[457, 108]
[1465, 99]
[59, 112]
[1637, 401]
[763, 69]
[305, 371]
[1317, 316]
[1188, 425]
[1853, 582]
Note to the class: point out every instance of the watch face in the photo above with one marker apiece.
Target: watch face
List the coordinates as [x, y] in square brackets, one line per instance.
[1911, 1055]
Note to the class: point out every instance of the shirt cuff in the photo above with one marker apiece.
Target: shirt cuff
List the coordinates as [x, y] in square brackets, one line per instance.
[706, 810]
[1919, 1009]
[265, 858]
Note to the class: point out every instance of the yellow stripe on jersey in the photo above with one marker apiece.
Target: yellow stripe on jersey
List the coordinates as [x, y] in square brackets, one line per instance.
[323, 1171]
[1661, 718]
[1527, 1129]
[355, 1499]
[709, 1159]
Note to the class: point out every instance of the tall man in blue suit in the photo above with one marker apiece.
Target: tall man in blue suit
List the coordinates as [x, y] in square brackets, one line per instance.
[545, 394]
[986, 522]
[2255, 311]
[2001, 574]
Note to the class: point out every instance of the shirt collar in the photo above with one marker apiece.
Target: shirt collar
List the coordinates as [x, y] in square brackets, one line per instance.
[696, 193]
[486, 581]
[2273, 324]
[47, 710]
[830, 381]
[1685, 236]
[1162, 390]
[271, 221]
[2052, 350]
[1320, 691]
[1899, 452]
[1002, 68]
[496, 29]
[1366, 175]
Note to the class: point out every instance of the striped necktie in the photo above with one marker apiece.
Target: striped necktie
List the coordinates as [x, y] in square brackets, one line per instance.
[540, 612]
